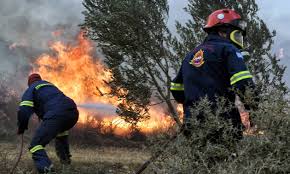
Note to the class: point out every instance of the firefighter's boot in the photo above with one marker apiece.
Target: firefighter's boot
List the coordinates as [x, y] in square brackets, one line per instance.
[62, 149]
[41, 160]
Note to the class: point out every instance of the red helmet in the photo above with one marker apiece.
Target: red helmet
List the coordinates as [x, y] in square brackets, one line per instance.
[224, 17]
[33, 78]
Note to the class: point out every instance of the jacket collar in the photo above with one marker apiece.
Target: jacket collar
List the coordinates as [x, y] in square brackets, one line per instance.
[216, 38]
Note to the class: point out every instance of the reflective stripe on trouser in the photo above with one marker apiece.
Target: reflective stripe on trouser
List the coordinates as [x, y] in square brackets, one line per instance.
[62, 149]
[40, 158]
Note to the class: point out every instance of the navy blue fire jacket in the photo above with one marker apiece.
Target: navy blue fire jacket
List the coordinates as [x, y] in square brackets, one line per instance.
[211, 69]
[44, 99]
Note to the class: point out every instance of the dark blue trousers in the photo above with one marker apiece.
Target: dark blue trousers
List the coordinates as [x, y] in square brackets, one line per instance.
[53, 127]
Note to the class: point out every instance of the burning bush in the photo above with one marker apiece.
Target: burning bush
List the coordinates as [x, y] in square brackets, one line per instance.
[266, 150]
[79, 73]
[99, 133]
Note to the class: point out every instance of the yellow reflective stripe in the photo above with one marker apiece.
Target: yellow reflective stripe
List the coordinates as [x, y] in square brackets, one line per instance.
[27, 103]
[177, 89]
[240, 76]
[65, 133]
[41, 85]
[36, 148]
[176, 86]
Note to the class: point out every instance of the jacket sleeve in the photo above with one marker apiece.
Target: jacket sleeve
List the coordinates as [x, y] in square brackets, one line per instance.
[177, 88]
[25, 109]
[240, 76]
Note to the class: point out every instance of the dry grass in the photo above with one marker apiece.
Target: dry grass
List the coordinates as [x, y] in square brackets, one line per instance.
[86, 160]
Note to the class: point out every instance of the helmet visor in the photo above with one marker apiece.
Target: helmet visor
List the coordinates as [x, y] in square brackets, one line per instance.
[236, 37]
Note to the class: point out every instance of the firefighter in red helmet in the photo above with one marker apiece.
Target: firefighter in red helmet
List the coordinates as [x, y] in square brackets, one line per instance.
[58, 114]
[214, 68]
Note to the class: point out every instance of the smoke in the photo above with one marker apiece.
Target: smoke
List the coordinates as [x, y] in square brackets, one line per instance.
[31, 22]
[26, 29]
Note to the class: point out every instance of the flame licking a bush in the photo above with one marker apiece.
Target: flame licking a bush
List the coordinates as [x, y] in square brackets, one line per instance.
[84, 78]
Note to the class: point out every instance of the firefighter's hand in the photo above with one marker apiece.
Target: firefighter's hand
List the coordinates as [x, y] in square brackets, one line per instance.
[245, 117]
[20, 131]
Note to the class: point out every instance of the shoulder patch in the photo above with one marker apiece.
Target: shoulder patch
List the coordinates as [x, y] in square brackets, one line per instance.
[239, 55]
[198, 59]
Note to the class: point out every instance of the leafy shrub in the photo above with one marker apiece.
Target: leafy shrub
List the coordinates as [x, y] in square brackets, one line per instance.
[265, 150]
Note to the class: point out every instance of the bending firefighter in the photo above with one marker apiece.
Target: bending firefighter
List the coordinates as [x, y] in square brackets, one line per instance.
[215, 67]
[58, 114]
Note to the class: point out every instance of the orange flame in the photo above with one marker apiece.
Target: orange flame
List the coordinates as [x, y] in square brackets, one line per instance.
[84, 78]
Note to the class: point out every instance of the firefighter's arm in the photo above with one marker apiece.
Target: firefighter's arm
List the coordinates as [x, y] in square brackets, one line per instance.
[25, 111]
[23, 116]
[241, 78]
[177, 89]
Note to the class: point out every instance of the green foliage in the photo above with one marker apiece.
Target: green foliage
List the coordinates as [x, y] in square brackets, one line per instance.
[131, 34]
[267, 150]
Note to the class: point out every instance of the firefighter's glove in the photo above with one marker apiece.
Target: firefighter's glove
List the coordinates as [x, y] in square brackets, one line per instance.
[22, 127]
